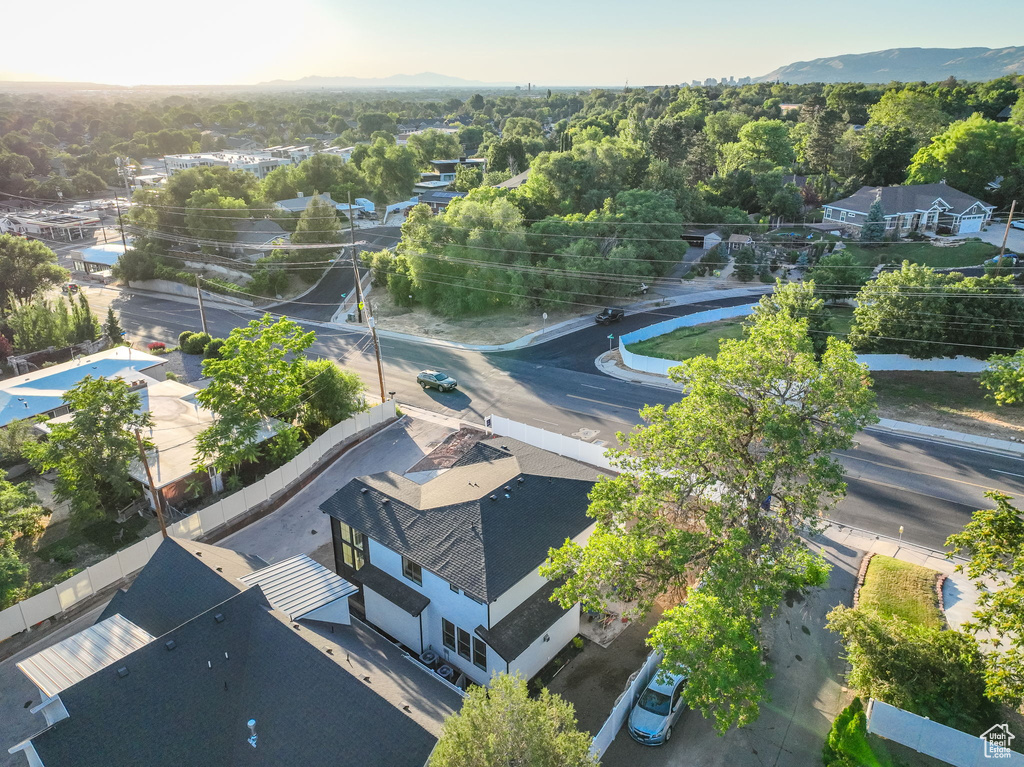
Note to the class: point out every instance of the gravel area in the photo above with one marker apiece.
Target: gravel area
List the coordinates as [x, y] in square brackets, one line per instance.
[188, 367]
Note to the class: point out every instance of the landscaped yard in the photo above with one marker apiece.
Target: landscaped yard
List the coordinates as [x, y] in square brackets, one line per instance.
[893, 587]
[968, 253]
[684, 343]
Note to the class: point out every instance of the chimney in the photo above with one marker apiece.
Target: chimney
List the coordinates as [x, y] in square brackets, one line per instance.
[251, 724]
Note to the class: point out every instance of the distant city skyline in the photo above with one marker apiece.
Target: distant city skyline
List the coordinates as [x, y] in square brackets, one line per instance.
[651, 42]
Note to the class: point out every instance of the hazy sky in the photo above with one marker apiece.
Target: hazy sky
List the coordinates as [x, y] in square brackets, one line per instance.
[548, 42]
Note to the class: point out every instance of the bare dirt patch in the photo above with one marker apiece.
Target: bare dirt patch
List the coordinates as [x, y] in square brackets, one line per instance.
[500, 328]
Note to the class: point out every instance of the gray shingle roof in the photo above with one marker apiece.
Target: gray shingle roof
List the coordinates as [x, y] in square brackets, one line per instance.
[451, 526]
[510, 636]
[180, 581]
[190, 705]
[906, 199]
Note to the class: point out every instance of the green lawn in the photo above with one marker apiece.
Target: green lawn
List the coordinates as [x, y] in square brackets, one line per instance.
[970, 253]
[896, 588]
[684, 343]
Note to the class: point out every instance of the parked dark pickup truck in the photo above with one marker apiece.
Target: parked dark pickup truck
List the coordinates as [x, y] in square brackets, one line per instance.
[609, 315]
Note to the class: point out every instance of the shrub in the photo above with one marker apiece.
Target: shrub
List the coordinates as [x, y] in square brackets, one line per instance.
[213, 348]
[847, 742]
[196, 343]
[157, 347]
[171, 375]
[184, 336]
[63, 555]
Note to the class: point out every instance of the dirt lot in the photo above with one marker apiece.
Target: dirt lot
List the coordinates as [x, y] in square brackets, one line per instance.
[498, 328]
[946, 401]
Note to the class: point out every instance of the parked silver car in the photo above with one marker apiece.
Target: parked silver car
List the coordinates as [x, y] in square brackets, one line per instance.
[658, 709]
[436, 380]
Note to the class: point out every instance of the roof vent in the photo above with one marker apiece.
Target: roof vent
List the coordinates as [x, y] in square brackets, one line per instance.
[386, 500]
[219, 617]
[170, 644]
[508, 489]
[494, 497]
[362, 490]
[520, 480]
[122, 672]
[504, 447]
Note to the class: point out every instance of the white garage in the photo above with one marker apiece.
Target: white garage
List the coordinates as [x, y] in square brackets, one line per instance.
[970, 224]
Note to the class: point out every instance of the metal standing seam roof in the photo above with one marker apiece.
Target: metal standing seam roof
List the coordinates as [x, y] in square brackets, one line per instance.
[298, 585]
[66, 663]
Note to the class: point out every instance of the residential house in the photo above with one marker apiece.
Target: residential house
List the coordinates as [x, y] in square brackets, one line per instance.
[446, 168]
[259, 163]
[255, 237]
[438, 200]
[914, 208]
[41, 392]
[448, 561]
[211, 657]
[737, 241]
[299, 204]
[702, 238]
[515, 182]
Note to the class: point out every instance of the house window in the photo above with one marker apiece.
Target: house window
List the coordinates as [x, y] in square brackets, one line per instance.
[479, 654]
[353, 547]
[463, 648]
[412, 571]
[448, 633]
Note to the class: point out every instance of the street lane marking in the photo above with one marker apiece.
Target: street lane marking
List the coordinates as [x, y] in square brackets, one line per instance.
[543, 421]
[908, 490]
[599, 402]
[999, 471]
[924, 473]
[944, 443]
[600, 388]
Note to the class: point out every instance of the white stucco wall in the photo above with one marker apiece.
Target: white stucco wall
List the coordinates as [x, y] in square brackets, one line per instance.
[392, 619]
[537, 655]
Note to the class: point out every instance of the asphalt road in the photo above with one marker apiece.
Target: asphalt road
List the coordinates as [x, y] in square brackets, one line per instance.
[930, 488]
[321, 302]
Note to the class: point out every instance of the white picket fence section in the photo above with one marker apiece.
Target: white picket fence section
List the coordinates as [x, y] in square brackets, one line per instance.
[623, 705]
[570, 447]
[127, 561]
[876, 362]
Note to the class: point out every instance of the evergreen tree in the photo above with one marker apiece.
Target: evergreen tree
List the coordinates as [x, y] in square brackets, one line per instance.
[874, 228]
[113, 328]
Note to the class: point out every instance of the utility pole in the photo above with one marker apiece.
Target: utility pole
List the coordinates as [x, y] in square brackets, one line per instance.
[152, 488]
[120, 222]
[359, 304]
[355, 260]
[202, 312]
[1006, 234]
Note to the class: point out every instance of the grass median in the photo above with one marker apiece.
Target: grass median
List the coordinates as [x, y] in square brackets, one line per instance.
[893, 587]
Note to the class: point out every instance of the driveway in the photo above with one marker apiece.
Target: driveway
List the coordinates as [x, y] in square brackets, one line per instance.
[806, 692]
[993, 235]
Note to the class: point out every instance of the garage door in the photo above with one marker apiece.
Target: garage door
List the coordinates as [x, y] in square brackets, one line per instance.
[970, 224]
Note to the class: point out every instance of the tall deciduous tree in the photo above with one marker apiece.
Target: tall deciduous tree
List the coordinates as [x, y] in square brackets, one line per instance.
[330, 396]
[318, 224]
[799, 300]
[20, 516]
[26, 267]
[390, 170]
[434, 145]
[837, 276]
[717, 488]
[502, 726]
[257, 377]
[92, 452]
[994, 541]
[914, 110]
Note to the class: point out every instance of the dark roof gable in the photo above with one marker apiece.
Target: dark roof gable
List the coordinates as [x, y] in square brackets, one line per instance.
[484, 524]
[907, 199]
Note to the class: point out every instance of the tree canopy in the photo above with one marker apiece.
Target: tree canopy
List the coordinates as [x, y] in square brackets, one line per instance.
[26, 268]
[715, 490]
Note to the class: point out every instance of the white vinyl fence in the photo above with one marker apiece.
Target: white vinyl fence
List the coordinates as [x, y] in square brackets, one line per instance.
[875, 362]
[127, 561]
[936, 740]
[623, 705]
[570, 447]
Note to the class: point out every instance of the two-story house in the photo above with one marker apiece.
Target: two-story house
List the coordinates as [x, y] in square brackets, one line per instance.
[451, 564]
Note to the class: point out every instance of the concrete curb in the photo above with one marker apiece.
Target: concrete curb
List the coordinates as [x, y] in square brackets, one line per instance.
[946, 435]
[606, 365]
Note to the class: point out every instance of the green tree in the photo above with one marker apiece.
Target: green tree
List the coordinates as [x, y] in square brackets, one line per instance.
[745, 264]
[930, 672]
[873, 230]
[376, 122]
[84, 325]
[719, 487]
[838, 276]
[507, 154]
[914, 110]
[994, 542]
[21, 517]
[390, 170]
[330, 396]
[209, 217]
[255, 385]
[26, 268]
[1004, 378]
[434, 145]
[92, 452]
[318, 224]
[969, 154]
[502, 726]
[799, 300]
[763, 145]
[112, 327]
[886, 154]
[467, 177]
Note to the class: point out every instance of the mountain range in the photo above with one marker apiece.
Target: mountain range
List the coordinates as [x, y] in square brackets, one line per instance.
[904, 65]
